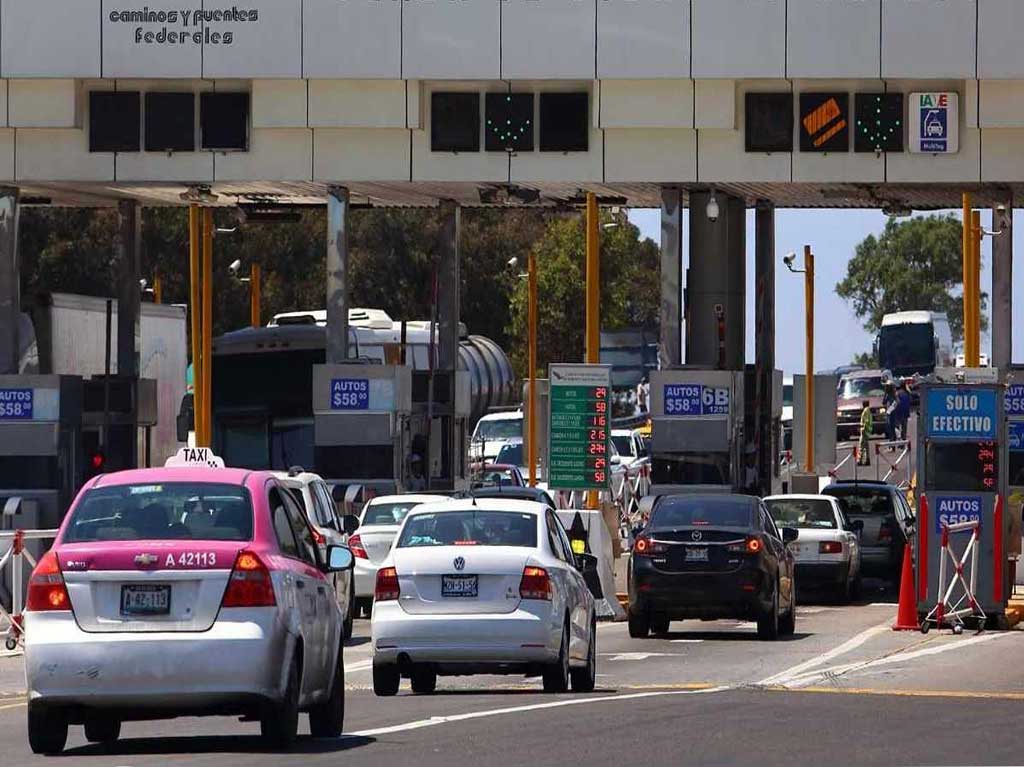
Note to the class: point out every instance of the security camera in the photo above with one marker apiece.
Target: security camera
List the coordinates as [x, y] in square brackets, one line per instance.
[1000, 209]
[235, 266]
[789, 259]
[512, 262]
[712, 209]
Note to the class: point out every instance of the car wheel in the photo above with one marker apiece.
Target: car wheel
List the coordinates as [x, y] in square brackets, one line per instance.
[585, 679]
[327, 719]
[350, 611]
[47, 731]
[659, 625]
[102, 730]
[768, 624]
[556, 675]
[639, 625]
[787, 623]
[423, 681]
[386, 679]
[279, 724]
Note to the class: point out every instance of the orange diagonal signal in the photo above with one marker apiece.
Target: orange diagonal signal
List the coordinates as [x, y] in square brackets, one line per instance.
[817, 122]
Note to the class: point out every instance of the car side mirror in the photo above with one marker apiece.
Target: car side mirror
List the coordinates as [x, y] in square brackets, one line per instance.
[857, 526]
[616, 460]
[350, 523]
[789, 534]
[586, 563]
[339, 558]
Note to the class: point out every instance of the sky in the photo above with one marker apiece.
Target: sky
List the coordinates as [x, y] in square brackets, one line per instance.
[833, 235]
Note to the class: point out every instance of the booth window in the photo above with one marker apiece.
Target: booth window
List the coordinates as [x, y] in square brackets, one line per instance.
[224, 121]
[115, 121]
[170, 122]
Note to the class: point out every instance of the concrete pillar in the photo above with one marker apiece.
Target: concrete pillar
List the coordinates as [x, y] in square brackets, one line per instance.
[716, 283]
[764, 341]
[129, 293]
[448, 287]
[671, 316]
[10, 281]
[337, 275]
[1002, 288]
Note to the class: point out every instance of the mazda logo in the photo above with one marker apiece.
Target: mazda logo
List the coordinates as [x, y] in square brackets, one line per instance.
[460, 563]
[696, 535]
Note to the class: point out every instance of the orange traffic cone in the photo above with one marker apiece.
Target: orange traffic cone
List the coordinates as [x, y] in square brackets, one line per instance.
[906, 613]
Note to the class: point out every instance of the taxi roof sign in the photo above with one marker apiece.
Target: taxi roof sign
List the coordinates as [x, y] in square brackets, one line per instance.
[195, 456]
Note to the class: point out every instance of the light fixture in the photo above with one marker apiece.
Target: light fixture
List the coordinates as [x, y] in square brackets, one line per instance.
[712, 210]
[897, 210]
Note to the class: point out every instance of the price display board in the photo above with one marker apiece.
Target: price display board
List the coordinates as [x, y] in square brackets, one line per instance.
[579, 427]
[971, 467]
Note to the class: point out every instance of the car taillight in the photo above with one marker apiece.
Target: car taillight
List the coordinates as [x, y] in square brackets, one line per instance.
[535, 584]
[885, 533]
[387, 585]
[249, 584]
[752, 545]
[645, 546]
[356, 544]
[830, 547]
[46, 589]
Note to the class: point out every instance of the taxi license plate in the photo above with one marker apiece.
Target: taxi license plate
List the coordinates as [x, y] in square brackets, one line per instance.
[145, 600]
[458, 585]
[697, 555]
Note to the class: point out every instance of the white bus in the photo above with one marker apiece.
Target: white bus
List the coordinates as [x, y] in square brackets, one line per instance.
[914, 342]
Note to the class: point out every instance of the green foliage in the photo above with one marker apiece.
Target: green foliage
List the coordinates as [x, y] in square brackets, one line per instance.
[914, 264]
[867, 359]
[630, 288]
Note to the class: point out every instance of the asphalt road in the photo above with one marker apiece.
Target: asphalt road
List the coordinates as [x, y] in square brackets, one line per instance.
[845, 689]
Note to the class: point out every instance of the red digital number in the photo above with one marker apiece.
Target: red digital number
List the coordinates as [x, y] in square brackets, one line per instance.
[598, 434]
[599, 476]
[600, 392]
[599, 463]
[601, 407]
[599, 420]
[597, 448]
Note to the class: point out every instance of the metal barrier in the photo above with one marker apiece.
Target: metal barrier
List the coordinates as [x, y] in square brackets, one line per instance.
[627, 490]
[15, 559]
[946, 611]
[883, 451]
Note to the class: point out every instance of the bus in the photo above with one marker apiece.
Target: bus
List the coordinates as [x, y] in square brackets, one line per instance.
[914, 343]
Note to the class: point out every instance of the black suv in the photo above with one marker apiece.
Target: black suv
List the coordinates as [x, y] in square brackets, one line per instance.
[888, 523]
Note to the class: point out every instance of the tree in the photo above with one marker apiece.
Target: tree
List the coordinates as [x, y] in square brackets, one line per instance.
[914, 264]
[630, 293]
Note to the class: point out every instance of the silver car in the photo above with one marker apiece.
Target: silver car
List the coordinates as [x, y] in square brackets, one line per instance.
[183, 591]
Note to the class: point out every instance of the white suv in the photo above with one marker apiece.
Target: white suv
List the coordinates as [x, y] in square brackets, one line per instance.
[330, 528]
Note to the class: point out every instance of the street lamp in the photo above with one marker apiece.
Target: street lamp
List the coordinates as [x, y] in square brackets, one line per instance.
[808, 272]
[254, 288]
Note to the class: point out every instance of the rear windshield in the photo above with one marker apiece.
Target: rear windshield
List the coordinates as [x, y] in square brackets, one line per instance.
[505, 428]
[806, 514]
[624, 445]
[697, 512]
[862, 502]
[469, 528]
[387, 513]
[162, 511]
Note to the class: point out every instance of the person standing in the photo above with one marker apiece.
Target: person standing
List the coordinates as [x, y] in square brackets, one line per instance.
[890, 403]
[903, 410]
[866, 425]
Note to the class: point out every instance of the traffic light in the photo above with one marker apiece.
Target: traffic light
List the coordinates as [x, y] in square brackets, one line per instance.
[878, 122]
[508, 122]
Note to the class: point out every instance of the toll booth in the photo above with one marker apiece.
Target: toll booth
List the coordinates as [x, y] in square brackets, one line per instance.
[959, 466]
[41, 462]
[361, 425]
[697, 441]
[439, 426]
[1013, 480]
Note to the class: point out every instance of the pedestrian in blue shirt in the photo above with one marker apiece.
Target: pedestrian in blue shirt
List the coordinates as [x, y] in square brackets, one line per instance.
[902, 410]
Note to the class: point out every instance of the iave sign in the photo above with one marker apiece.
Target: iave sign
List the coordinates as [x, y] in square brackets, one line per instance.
[965, 413]
[934, 123]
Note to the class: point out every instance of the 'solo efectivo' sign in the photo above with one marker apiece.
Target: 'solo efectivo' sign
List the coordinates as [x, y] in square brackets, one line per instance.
[962, 413]
[579, 427]
[934, 123]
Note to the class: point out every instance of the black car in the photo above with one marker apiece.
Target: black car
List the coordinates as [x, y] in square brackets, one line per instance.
[708, 557]
[888, 523]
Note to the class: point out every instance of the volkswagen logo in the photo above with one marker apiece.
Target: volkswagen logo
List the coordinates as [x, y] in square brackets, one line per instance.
[696, 535]
[460, 563]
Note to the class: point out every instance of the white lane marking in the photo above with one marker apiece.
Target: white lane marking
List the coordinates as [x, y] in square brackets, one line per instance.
[883, 604]
[436, 720]
[638, 655]
[361, 665]
[900, 657]
[850, 644]
[686, 641]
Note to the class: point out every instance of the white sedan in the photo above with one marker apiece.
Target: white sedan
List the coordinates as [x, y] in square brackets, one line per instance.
[486, 586]
[827, 551]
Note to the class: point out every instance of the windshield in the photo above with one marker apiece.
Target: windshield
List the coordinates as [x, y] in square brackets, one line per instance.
[787, 394]
[624, 445]
[470, 528]
[511, 455]
[506, 428]
[387, 513]
[862, 501]
[698, 512]
[900, 346]
[862, 387]
[805, 514]
[164, 511]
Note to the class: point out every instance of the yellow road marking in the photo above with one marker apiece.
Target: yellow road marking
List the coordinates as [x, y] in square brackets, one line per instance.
[993, 695]
[13, 705]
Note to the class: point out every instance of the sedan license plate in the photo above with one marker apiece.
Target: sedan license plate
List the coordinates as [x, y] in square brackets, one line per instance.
[696, 555]
[145, 600]
[458, 585]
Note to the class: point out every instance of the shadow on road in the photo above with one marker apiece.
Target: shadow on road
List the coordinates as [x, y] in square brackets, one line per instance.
[216, 744]
[728, 636]
[356, 641]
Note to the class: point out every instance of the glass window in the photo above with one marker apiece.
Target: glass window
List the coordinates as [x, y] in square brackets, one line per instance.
[624, 444]
[505, 428]
[282, 527]
[863, 501]
[697, 512]
[554, 541]
[854, 388]
[802, 513]
[387, 513]
[469, 528]
[291, 444]
[303, 535]
[511, 455]
[244, 443]
[328, 508]
[162, 511]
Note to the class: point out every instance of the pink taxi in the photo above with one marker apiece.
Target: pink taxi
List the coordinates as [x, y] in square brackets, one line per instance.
[184, 590]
